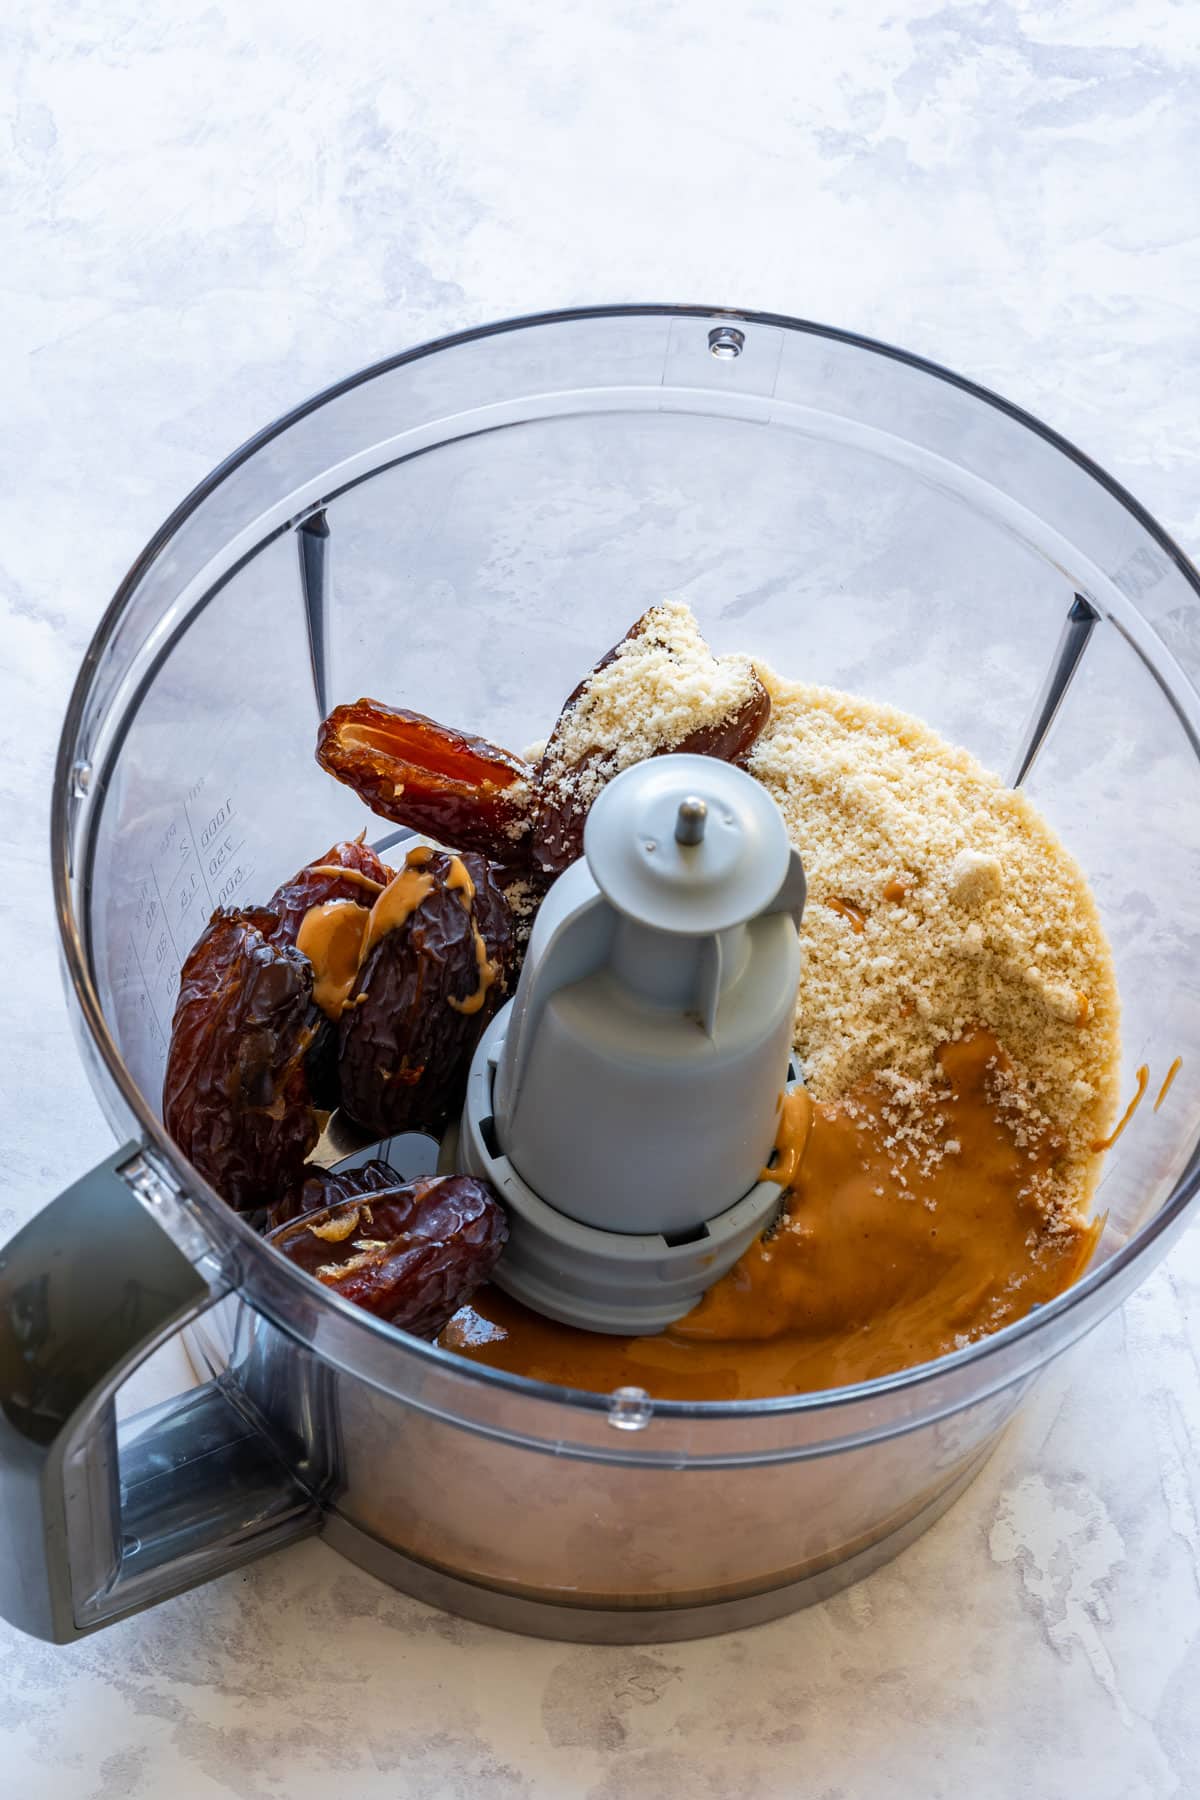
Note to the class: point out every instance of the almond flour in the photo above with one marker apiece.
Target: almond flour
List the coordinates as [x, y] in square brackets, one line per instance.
[971, 912]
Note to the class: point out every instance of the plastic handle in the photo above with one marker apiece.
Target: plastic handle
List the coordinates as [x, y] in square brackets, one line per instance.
[94, 1529]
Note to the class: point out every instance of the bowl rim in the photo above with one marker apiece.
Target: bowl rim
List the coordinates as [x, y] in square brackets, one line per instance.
[234, 1232]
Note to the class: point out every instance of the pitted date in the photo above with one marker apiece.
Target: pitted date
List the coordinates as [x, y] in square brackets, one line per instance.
[236, 1095]
[564, 791]
[459, 789]
[321, 1188]
[412, 1254]
[320, 881]
[407, 1041]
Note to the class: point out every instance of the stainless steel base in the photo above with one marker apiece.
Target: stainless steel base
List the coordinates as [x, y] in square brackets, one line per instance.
[209, 1345]
[627, 1625]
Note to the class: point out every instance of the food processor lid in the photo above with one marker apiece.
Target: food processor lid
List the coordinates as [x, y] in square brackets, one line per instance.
[687, 845]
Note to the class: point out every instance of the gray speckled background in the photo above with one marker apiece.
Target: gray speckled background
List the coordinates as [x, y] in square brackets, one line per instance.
[208, 213]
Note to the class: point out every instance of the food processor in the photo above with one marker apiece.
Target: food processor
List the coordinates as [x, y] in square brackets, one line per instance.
[460, 530]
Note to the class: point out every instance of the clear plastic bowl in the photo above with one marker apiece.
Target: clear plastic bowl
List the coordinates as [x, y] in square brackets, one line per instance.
[462, 529]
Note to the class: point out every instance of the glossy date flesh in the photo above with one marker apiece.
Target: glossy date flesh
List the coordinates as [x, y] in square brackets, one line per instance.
[459, 789]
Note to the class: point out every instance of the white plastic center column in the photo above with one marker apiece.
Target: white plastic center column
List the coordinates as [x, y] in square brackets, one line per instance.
[637, 1081]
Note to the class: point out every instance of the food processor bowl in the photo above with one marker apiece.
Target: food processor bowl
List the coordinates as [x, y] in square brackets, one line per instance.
[462, 529]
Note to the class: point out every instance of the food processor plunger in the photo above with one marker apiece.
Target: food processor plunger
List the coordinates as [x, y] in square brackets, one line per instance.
[626, 1100]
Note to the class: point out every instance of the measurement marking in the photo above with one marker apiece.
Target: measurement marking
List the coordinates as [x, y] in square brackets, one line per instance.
[184, 861]
[156, 1021]
[166, 921]
[196, 852]
[226, 859]
[230, 886]
[181, 870]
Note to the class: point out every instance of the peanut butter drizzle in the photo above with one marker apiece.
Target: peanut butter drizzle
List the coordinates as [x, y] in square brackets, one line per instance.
[848, 910]
[355, 876]
[487, 974]
[1165, 1089]
[459, 880]
[1143, 1078]
[332, 937]
[398, 901]
[791, 1139]
[864, 1274]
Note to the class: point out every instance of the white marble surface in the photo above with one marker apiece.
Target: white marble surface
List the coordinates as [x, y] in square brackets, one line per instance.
[210, 212]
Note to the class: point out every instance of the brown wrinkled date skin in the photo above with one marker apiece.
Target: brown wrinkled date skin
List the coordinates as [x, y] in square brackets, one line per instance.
[318, 882]
[411, 1254]
[322, 1188]
[405, 1046]
[459, 789]
[562, 812]
[236, 1096]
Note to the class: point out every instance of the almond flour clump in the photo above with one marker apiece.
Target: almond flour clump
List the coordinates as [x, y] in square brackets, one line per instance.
[956, 906]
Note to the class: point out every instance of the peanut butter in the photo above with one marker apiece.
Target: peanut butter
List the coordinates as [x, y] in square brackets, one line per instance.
[791, 1140]
[332, 937]
[398, 901]
[355, 876]
[1165, 1089]
[854, 915]
[1143, 1080]
[487, 969]
[459, 880]
[909, 1231]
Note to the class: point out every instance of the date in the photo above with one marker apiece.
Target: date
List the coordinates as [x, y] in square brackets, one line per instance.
[322, 1188]
[349, 873]
[566, 784]
[406, 767]
[236, 1094]
[438, 963]
[411, 1254]
[322, 880]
